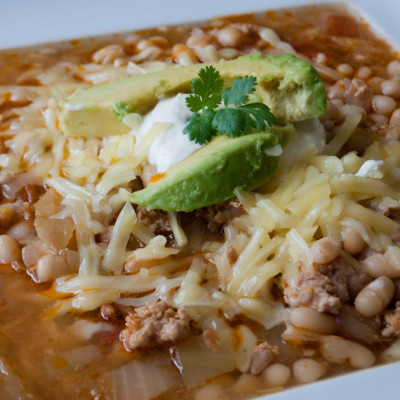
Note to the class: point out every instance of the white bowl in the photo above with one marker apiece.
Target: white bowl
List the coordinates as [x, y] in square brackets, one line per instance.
[31, 22]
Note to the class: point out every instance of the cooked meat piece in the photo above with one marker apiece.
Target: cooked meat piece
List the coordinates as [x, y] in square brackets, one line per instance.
[216, 216]
[392, 322]
[153, 325]
[156, 220]
[326, 289]
[346, 279]
[262, 356]
[313, 290]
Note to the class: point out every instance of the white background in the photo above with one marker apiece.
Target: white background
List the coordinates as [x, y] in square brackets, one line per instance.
[35, 21]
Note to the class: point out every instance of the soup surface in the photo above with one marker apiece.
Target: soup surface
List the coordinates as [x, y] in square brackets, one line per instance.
[291, 283]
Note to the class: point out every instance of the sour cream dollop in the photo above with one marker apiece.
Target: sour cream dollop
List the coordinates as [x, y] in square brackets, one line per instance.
[171, 145]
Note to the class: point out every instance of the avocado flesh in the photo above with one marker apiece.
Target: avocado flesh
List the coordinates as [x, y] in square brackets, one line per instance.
[212, 173]
[290, 87]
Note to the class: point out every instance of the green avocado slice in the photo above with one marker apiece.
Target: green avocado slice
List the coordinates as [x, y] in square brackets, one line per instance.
[212, 173]
[290, 87]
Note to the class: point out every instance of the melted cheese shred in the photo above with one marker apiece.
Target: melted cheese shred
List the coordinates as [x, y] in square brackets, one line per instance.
[314, 192]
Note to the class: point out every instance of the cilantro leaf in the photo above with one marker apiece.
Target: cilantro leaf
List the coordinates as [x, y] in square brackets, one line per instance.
[238, 94]
[199, 128]
[236, 119]
[206, 89]
[260, 114]
[234, 122]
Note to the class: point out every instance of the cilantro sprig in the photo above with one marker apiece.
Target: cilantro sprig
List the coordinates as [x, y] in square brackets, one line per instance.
[235, 119]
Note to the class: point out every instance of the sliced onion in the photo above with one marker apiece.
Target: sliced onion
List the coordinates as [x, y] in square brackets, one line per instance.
[141, 380]
[198, 363]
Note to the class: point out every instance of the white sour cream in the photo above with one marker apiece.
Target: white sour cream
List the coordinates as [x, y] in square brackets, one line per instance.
[370, 169]
[171, 145]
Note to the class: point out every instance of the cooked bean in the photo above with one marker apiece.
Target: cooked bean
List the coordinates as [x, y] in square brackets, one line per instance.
[307, 370]
[391, 87]
[383, 104]
[228, 53]
[364, 73]
[376, 266]
[374, 298]
[321, 58]
[305, 317]
[353, 242]
[229, 36]
[393, 68]
[50, 267]
[107, 54]
[199, 40]
[276, 375]
[9, 250]
[325, 250]
[183, 55]
[21, 230]
[378, 118]
[395, 118]
[144, 44]
[392, 262]
[345, 69]
[336, 92]
[6, 215]
[340, 351]
[160, 41]
[375, 83]
[210, 391]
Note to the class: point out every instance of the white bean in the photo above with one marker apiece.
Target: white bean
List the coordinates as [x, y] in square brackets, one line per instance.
[305, 317]
[395, 118]
[392, 262]
[21, 230]
[336, 92]
[353, 242]
[9, 250]
[374, 298]
[340, 351]
[364, 73]
[383, 104]
[393, 68]
[107, 54]
[378, 118]
[229, 36]
[50, 267]
[375, 83]
[376, 265]
[210, 391]
[345, 69]
[307, 370]
[325, 250]
[391, 87]
[276, 375]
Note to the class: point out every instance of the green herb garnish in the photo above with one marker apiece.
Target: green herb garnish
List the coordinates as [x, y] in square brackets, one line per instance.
[235, 119]
[121, 109]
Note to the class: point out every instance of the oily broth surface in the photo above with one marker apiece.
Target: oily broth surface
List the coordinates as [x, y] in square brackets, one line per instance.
[36, 346]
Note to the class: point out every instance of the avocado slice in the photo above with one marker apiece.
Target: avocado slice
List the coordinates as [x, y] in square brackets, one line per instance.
[289, 86]
[212, 173]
